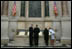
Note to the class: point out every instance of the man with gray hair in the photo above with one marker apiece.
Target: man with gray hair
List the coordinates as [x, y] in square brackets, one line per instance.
[31, 35]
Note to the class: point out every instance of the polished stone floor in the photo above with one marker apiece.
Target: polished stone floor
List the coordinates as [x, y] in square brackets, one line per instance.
[21, 43]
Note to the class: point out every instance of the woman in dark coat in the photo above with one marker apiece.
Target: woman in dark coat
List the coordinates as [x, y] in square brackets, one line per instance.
[46, 36]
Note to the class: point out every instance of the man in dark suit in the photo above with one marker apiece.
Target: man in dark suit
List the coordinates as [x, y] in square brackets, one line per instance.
[36, 35]
[31, 35]
[46, 36]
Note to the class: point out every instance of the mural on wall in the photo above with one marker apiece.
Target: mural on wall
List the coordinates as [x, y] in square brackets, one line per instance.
[35, 9]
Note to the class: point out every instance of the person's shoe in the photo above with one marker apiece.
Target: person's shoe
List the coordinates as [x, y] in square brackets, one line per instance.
[31, 46]
[46, 45]
[36, 45]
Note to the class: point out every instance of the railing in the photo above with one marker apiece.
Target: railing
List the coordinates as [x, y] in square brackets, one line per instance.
[22, 32]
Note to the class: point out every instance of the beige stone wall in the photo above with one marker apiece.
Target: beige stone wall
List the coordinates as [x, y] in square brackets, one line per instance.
[21, 25]
[48, 24]
[40, 24]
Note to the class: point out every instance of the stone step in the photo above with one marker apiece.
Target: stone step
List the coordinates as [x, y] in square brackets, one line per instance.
[10, 44]
[35, 47]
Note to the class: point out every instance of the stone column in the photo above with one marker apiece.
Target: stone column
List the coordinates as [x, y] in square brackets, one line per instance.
[12, 30]
[42, 9]
[43, 12]
[69, 8]
[1, 4]
[5, 8]
[10, 8]
[27, 9]
[18, 9]
[1, 7]
[66, 32]
[59, 9]
[51, 9]
[64, 8]
[4, 32]
[26, 12]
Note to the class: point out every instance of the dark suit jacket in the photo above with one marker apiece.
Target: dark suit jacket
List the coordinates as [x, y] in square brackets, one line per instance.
[30, 31]
[36, 32]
